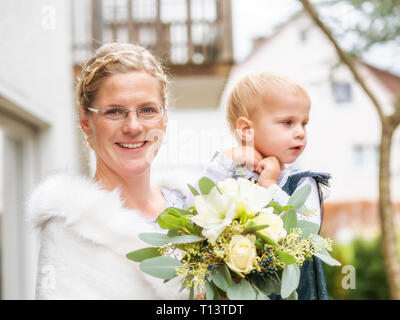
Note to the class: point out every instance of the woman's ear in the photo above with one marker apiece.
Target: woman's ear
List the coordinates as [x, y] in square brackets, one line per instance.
[84, 122]
[244, 130]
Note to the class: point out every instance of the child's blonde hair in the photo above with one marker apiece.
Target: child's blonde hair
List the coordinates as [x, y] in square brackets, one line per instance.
[254, 91]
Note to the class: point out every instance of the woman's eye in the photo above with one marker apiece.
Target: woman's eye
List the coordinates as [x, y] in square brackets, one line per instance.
[147, 110]
[113, 112]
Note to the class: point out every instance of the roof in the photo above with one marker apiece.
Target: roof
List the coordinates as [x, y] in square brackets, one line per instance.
[388, 79]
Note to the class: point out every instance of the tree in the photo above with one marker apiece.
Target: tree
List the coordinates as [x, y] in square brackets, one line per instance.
[389, 31]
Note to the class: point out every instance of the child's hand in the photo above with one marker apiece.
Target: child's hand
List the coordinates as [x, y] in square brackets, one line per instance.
[269, 170]
[245, 156]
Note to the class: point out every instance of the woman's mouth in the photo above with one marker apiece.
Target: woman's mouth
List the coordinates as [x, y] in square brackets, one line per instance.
[132, 146]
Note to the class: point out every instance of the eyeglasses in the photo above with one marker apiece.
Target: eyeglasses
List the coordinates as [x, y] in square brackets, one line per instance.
[146, 113]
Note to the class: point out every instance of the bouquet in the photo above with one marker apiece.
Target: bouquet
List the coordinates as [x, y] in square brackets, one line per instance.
[235, 242]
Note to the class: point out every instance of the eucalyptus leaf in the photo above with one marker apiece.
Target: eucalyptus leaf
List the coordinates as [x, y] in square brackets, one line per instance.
[290, 280]
[143, 254]
[307, 227]
[185, 239]
[222, 278]
[289, 219]
[265, 285]
[241, 291]
[299, 197]
[205, 185]
[209, 291]
[262, 296]
[293, 296]
[326, 257]
[161, 267]
[155, 239]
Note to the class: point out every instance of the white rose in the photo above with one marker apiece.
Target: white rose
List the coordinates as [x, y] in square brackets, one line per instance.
[275, 229]
[241, 254]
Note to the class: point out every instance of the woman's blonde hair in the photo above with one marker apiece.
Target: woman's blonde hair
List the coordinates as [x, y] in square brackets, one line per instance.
[254, 91]
[115, 58]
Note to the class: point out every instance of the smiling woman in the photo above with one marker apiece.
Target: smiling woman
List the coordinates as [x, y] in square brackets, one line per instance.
[88, 225]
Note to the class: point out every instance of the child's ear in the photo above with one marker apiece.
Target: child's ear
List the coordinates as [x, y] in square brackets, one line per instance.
[244, 129]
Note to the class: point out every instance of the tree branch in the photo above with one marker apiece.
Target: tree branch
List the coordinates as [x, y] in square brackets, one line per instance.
[344, 57]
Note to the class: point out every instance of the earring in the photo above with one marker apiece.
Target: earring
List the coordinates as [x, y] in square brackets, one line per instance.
[89, 142]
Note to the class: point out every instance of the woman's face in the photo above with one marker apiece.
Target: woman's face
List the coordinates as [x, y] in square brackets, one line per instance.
[125, 147]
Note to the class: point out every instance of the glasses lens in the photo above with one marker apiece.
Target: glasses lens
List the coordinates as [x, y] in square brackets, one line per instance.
[115, 113]
[151, 112]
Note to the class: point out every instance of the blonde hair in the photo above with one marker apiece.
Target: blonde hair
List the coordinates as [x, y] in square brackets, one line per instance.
[254, 91]
[115, 58]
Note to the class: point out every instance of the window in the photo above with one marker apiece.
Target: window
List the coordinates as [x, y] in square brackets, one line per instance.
[341, 92]
[303, 36]
[366, 155]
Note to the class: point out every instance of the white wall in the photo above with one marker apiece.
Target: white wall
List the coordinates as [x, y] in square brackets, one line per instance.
[37, 112]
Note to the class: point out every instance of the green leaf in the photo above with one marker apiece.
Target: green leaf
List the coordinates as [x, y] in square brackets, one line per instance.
[168, 221]
[173, 233]
[209, 291]
[222, 278]
[155, 239]
[266, 239]
[185, 239]
[277, 207]
[161, 267]
[143, 254]
[290, 280]
[307, 227]
[193, 190]
[206, 185]
[191, 293]
[241, 291]
[254, 228]
[286, 257]
[289, 219]
[299, 197]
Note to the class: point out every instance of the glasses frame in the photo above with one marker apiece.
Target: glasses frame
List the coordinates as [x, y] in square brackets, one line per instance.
[126, 111]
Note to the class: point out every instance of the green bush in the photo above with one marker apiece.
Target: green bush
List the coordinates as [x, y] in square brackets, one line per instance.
[367, 259]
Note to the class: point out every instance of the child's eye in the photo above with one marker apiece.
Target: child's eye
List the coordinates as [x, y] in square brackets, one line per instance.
[287, 122]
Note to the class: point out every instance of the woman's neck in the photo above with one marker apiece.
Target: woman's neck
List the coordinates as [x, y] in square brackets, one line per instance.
[136, 191]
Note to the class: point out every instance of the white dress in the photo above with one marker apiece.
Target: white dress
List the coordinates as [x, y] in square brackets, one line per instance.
[85, 235]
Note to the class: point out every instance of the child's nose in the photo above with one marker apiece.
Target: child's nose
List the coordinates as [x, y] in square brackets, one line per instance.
[300, 132]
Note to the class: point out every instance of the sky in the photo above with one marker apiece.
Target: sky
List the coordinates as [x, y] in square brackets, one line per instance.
[255, 18]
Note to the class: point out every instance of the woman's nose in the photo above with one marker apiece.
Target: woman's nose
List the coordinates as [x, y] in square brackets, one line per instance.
[131, 124]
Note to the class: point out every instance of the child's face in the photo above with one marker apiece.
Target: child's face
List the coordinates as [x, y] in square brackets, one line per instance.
[280, 127]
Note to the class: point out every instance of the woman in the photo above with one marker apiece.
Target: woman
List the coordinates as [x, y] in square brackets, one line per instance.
[88, 225]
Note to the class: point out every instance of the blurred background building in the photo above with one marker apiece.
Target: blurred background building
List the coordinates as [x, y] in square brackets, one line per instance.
[43, 44]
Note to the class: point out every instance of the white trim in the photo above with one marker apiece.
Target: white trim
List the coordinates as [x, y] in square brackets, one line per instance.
[19, 244]
[16, 105]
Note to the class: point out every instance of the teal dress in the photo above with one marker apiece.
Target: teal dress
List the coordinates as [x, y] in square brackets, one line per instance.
[312, 284]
